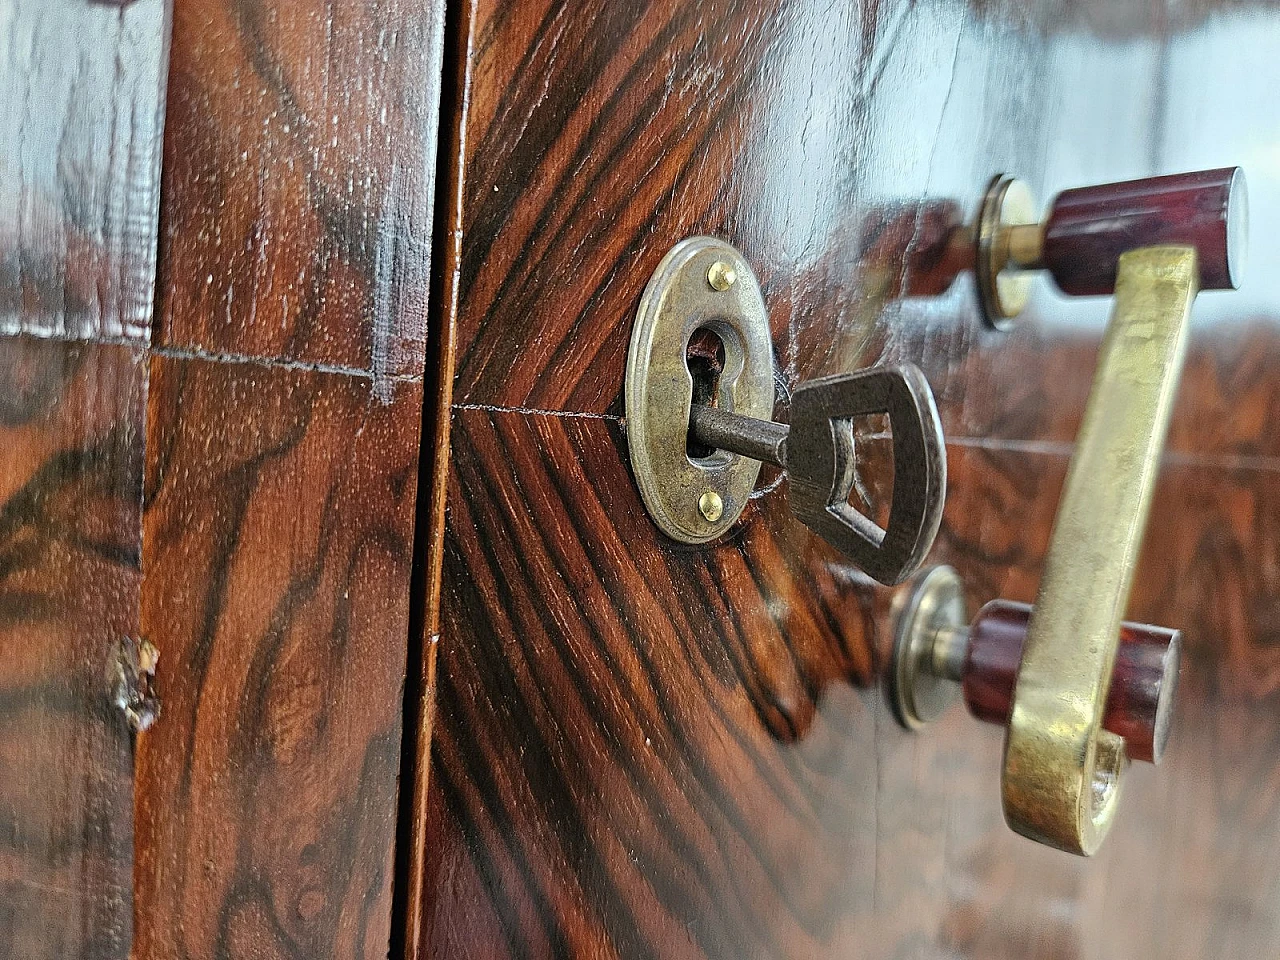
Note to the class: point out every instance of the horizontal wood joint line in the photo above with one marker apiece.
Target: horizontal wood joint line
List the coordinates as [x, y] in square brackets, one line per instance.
[536, 412]
[186, 353]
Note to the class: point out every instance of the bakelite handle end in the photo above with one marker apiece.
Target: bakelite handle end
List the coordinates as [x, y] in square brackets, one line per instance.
[1088, 228]
[1139, 705]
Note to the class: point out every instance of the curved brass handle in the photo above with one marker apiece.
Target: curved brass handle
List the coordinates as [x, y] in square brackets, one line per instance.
[1154, 243]
[1062, 770]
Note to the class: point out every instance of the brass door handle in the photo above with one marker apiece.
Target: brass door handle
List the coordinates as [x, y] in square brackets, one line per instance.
[937, 656]
[1154, 243]
[1080, 241]
[1061, 768]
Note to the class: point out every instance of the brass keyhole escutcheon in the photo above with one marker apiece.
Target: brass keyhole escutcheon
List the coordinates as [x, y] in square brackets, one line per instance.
[697, 443]
[702, 283]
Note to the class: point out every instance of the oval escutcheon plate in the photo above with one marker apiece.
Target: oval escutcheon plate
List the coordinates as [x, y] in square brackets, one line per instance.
[701, 283]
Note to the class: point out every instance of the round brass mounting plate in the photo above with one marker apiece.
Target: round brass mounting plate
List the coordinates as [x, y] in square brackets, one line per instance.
[935, 602]
[685, 295]
[1002, 293]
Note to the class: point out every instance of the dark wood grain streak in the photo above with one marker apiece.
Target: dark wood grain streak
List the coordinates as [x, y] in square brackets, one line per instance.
[275, 586]
[648, 750]
[548, 176]
[71, 441]
[702, 121]
[632, 709]
[81, 102]
[283, 448]
[82, 88]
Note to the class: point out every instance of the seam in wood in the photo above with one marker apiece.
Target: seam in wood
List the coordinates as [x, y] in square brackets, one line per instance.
[537, 412]
[195, 353]
[186, 353]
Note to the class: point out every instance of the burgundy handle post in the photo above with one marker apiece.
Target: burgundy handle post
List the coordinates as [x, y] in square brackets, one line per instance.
[1089, 228]
[1139, 704]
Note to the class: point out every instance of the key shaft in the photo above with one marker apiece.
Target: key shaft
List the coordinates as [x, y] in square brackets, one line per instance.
[761, 440]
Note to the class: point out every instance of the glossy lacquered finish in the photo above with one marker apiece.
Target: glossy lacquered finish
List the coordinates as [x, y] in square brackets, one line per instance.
[644, 749]
[81, 111]
[1089, 227]
[275, 577]
[70, 526]
[628, 747]
[81, 101]
[233, 485]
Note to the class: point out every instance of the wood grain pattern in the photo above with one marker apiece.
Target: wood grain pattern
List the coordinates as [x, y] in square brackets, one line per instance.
[642, 792]
[1222, 411]
[299, 183]
[275, 586]
[70, 491]
[666, 121]
[81, 102]
[644, 749]
[299, 161]
[550, 323]
[283, 445]
[648, 750]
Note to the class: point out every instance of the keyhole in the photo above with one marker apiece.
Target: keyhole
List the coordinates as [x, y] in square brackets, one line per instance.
[704, 357]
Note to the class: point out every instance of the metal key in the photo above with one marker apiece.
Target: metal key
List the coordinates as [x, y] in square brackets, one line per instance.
[817, 451]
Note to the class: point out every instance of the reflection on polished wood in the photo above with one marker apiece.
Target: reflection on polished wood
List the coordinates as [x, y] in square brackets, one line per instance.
[644, 749]
[82, 95]
[81, 99]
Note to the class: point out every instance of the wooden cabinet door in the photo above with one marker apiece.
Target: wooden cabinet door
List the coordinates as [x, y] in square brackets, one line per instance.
[331, 621]
[80, 117]
[217, 463]
[645, 749]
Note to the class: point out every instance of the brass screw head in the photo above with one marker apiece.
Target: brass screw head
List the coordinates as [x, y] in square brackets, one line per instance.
[721, 276]
[711, 506]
